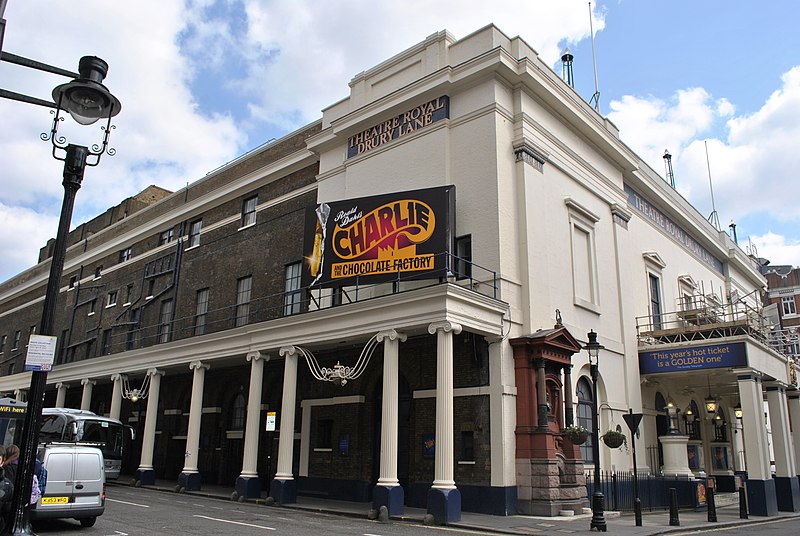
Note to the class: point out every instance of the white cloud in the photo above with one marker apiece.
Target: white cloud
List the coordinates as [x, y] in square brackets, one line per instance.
[285, 60]
[778, 249]
[752, 158]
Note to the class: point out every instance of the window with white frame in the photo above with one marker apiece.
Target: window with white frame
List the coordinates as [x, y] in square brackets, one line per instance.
[17, 336]
[293, 296]
[656, 309]
[249, 211]
[584, 416]
[111, 300]
[194, 233]
[165, 237]
[165, 321]
[201, 312]
[125, 255]
[244, 286]
[584, 259]
[788, 306]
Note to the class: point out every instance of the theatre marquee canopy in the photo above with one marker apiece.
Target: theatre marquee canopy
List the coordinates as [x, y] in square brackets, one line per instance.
[379, 238]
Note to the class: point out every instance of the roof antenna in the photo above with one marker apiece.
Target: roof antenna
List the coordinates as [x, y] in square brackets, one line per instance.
[668, 168]
[713, 218]
[566, 68]
[596, 96]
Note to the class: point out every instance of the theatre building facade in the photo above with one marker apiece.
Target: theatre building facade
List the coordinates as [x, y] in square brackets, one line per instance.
[390, 305]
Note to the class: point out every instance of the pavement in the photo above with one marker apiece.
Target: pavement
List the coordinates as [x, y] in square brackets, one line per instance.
[653, 523]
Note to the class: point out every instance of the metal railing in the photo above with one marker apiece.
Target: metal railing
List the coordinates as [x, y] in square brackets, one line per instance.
[617, 488]
[129, 334]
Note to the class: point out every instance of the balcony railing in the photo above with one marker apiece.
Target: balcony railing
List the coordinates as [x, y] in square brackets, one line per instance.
[698, 318]
[129, 333]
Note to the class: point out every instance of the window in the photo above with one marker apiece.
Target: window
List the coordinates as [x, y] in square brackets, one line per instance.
[3, 340]
[165, 237]
[72, 281]
[464, 257]
[243, 288]
[655, 300]
[98, 271]
[194, 233]
[111, 301]
[33, 329]
[151, 287]
[92, 306]
[165, 321]
[584, 261]
[238, 412]
[324, 438]
[788, 306]
[293, 296]
[201, 312]
[584, 416]
[11, 369]
[106, 342]
[128, 294]
[467, 446]
[249, 211]
[17, 336]
[125, 255]
[133, 329]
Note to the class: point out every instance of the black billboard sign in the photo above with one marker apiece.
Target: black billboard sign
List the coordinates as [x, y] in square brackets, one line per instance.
[377, 238]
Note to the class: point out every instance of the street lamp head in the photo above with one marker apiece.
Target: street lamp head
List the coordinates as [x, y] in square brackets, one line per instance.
[86, 98]
[593, 347]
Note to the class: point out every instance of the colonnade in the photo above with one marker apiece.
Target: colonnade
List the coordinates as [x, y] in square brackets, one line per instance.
[444, 499]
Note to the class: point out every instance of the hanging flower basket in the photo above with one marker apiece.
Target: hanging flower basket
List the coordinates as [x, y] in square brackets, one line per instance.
[577, 435]
[614, 439]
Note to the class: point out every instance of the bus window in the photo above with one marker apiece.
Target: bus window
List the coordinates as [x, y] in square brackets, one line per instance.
[52, 428]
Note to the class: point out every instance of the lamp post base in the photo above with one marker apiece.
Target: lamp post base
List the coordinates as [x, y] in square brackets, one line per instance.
[598, 518]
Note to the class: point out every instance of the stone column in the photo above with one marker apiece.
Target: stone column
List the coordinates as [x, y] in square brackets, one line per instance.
[444, 499]
[248, 484]
[541, 396]
[761, 496]
[284, 488]
[388, 491]
[189, 479]
[787, 487]
[794, 414]
[145, 474]
[61, 394]
[86, 398]
[20, 394]
[569, 410]
[116, 396]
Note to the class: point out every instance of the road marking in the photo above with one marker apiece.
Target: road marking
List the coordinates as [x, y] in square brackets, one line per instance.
[234, 522]
[130, 503]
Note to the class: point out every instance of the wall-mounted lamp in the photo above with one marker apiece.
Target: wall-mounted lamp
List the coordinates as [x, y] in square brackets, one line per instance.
[737, 411]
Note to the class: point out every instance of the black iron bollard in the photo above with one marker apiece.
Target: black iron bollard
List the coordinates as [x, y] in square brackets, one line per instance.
[673, 508]
[637, 511]
[742, 503]
[712, 506]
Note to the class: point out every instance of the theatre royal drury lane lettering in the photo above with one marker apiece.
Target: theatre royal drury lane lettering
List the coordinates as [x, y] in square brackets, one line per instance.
[397, 127]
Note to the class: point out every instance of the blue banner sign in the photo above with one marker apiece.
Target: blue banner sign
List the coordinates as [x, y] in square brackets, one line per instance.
[693, 358]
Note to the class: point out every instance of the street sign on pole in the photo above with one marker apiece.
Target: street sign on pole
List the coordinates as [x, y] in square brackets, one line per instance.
[633, 420]
[41, 353]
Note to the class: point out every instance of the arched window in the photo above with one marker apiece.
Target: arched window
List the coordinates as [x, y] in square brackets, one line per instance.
[584, 417]
[238, 412]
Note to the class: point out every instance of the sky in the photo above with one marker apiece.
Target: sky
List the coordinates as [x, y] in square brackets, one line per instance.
[204, 81]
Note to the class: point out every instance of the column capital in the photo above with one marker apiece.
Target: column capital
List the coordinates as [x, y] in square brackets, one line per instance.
[494, 339]
[154, 372]
[391, 334]
[255, 355]
[288, 351]
[87, 381]
[445, 326]
[62, 385]
[116, 377]
[198, 365]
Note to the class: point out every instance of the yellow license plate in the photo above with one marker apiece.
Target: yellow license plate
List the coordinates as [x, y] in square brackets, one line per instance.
[55, 500]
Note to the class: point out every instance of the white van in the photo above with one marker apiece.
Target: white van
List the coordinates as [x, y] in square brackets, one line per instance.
[76, 483]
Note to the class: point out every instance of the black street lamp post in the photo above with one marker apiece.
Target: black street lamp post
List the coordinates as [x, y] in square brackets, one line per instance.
[598, 519]
[87, 100]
